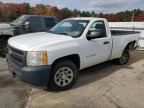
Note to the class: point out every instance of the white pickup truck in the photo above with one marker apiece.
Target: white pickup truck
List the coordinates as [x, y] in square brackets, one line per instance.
[53, 59]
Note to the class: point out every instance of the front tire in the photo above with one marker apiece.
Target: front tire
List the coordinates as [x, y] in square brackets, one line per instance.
[123, 59]
[63, 76]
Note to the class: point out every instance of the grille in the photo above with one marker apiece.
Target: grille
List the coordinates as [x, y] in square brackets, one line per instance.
[17, 56]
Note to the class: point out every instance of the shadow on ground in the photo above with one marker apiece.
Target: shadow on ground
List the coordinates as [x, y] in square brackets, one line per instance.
[103, 70]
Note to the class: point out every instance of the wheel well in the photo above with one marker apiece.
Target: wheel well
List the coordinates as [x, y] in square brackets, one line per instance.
[74, 58]
[130, 45]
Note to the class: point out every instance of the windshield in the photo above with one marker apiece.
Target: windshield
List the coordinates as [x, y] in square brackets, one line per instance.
[18, 21]
[72, 28]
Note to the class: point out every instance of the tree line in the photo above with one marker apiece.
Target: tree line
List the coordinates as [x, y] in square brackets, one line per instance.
[10, 11]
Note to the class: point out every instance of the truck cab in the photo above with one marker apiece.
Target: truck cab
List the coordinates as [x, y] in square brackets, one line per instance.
[23, 25]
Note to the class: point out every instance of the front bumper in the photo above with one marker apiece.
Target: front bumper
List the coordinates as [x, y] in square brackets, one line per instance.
[37, 76]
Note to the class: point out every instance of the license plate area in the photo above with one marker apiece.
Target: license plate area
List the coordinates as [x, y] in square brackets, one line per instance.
[15, 72]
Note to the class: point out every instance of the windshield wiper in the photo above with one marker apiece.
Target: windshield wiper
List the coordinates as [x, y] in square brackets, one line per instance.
[59, 33]
[63, 33]
[50, 32]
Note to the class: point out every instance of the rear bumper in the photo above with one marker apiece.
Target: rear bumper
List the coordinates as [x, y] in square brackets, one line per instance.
[37, 76]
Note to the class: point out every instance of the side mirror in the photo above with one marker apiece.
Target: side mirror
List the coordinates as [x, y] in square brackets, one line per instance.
[94, 34]
[27, 25]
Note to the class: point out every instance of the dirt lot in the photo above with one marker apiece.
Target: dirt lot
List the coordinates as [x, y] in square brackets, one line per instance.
[102, 86]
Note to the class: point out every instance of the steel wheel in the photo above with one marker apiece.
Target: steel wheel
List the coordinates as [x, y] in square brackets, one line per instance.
[124, 58]
[63, 76]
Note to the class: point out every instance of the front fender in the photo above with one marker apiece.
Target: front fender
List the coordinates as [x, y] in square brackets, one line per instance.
[62, 50]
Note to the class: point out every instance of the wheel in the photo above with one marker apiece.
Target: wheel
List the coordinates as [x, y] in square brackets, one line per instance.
[3, 46]
[123, 59]
[63, 76]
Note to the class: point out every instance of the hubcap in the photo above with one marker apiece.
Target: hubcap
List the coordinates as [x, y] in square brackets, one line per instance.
[124, 59]
[63, 76]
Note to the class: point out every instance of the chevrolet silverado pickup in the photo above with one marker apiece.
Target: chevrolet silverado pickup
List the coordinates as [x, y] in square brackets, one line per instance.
[53, 59]
[22, 25]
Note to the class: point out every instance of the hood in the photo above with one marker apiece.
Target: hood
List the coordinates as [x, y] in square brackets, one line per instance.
[37, 41]
[5, 26]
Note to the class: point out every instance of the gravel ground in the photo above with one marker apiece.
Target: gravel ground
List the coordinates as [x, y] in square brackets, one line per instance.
[13, 94]
[102, 86]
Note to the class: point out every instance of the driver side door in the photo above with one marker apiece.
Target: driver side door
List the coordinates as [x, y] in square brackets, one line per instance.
[97, 50]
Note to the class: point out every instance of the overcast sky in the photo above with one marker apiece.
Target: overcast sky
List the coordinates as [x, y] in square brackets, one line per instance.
[96, 5]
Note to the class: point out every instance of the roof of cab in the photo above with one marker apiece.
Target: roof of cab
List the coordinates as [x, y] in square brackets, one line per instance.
[86, 18]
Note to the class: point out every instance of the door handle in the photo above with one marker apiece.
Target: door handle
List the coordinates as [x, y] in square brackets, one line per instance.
[106, 42]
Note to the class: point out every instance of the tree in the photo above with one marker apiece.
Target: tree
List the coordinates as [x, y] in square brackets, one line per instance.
[14, 15]
[10, 11]
[27, 8]
[76, 13]
[93, 14]
[66, 13]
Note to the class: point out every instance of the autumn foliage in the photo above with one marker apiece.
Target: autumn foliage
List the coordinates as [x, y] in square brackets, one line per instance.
[10, 11]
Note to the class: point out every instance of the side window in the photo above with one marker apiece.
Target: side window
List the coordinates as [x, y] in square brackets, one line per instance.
[50, 22]
[98, 26]
[35, 22]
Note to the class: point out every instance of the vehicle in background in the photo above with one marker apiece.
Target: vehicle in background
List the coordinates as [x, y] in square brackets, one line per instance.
[53, 59]
[22, 25]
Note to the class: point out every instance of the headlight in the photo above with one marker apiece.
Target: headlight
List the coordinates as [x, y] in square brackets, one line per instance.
[37, 58]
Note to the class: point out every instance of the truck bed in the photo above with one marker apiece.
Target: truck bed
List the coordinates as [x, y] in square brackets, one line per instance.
[120, 40]
[120, 32]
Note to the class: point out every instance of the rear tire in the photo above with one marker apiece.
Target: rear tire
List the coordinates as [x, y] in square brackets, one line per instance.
[63, 75]
[123, 59]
